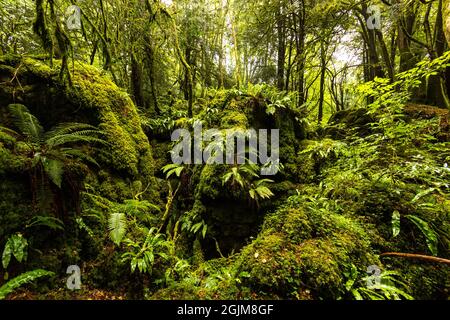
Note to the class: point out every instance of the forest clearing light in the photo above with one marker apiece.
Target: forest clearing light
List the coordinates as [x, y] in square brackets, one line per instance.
[222, 145]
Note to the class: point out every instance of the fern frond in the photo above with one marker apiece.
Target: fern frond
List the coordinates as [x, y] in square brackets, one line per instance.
[68, 127]
[86, 137]
[45, 221]
[27, 123]
[80, 155]
[117, 227]
[264, 192]
[9, 132]
[54, 169]
[24, 278]
[136, 206]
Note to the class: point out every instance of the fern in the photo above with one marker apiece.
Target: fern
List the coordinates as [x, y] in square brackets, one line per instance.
[431, 237]
[172, 169]
[24, 278]
[44, 221]
[117, 227]
[80, 155]
[27, 123]
[51, 149]
[54, 169]
[68, 127]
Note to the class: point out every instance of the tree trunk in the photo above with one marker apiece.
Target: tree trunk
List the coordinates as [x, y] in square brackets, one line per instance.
[151, 74]
[446, 19]
[136, 82]
[323, 66]
[281, 48]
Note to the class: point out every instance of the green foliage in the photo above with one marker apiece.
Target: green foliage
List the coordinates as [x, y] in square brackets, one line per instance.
[46, 221]
[117, 227]
[387, 287]
[28, 124]
[430, 235]
[395, 223]
[192, 221]
[377, 180]
[325, 149]
[24, 278]
[142, 254]
[173, 169]
[258, 190]
[246, 178]
[131, 211]
[16, 246]
[49, 152]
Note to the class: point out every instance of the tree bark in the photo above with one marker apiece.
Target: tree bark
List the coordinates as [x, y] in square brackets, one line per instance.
[136, 82]
[323, 67]
[446, 19]
[281, 48]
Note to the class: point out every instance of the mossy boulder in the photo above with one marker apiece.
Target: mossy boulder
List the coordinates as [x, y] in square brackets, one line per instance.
[305, 251]
[91, 98]
[343, 121]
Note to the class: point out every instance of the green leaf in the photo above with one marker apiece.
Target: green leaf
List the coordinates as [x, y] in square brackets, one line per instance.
[205, 229]
[24, 278]
[423, 194]
[430, 235]
[27, 123]
[264, 192]
[395, 223]
[117, 227]
[54, 170]
[15, 246]
[19, 246]
[357, 295]
[6, 256]
[44, 221]
[172, 169]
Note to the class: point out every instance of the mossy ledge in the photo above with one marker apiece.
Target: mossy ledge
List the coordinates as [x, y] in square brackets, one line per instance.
[92, 98]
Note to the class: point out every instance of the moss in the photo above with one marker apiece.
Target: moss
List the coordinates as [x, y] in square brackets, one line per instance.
[9, 162]
[118, 118]
[210, 184]
[234, 119]
[91, 98]
[6, 139]
[124, 155]
[302, 249]
[34, 67]
[427, 280]
[15, 203]
[116, 188]
[198, 257]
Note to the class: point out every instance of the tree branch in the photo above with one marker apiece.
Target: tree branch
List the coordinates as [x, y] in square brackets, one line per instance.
[416, 256]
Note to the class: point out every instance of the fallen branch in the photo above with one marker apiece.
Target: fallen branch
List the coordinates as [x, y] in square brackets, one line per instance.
[416, 256]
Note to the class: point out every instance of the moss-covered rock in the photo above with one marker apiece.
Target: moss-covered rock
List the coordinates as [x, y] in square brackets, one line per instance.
[92, 98]
[305, 250]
